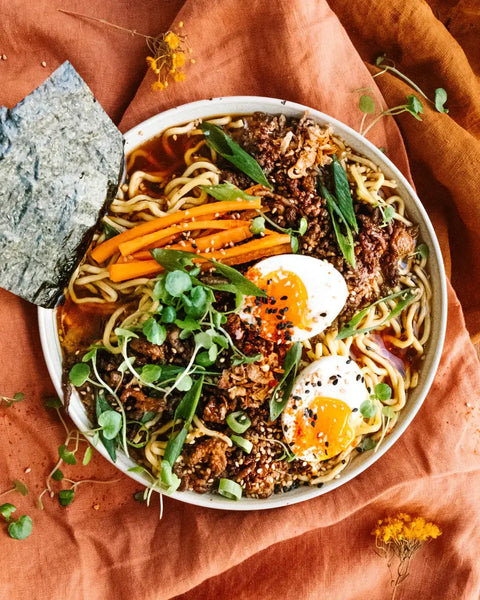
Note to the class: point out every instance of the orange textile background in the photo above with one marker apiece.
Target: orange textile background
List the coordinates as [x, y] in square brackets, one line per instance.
[106, 545]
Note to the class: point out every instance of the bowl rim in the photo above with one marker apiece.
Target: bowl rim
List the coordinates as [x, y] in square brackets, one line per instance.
[210, 108]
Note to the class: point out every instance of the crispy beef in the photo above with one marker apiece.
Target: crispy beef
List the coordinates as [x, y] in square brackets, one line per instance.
[137, 402]
[173, 350]
[203, 463]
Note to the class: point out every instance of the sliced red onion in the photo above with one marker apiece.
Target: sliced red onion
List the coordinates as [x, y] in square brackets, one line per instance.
[395, 361]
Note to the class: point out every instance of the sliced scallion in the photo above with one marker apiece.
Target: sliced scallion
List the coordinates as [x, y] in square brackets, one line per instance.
[230, 489]
[245, 445]
[238, 421]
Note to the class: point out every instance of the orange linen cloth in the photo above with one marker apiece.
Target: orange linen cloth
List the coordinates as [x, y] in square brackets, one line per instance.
[106, 545]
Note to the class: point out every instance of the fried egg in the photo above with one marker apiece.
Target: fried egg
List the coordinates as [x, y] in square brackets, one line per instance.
[322, 413]
[305, 295]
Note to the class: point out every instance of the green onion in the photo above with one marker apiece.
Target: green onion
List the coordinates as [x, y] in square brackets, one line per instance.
[245, 445]
[230, 489]
[238, 421]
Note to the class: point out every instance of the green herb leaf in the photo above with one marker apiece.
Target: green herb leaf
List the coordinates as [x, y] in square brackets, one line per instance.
[226, 191]
[101, 406]
[240, 284]
[79, 374]
[109, 231]
[7, 509]
[52, 403]
[245, 360]
[345, 242]
[367, 444]
[302, 228]
[223, 144]
[87, 457]
[283, 389]
[342, 193]
[258, 225]
[139, 497]
[20, 487]
[111, 422]
[440, 99]
[382, 391]
[66, 455]
[185, 384]
[18, 396]
[177, 283]
[368, 409]
[92, 353]
[159, 292]
[126, 334]
[414, 106]
[169, 314]
[388, 214]
[21, 529]
[151, 373]
[294, 244]
[57, 475]
[188, 404]
[66, 497]
[175, 445]
[349, 329]
[388, 412]
[154, 332]
[422, 250]
[367, 104]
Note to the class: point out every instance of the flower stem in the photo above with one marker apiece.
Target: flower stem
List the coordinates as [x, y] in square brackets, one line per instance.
[97, 20]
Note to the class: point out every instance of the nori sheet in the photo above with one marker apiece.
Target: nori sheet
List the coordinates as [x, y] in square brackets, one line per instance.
[61, 160]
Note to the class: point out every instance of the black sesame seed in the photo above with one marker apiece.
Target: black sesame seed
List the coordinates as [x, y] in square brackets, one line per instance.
[327, 444]
[324, 314]
[284, 298]
[312, 423]
[358, 377]
[269, 281]
[334, 382]
[349, 361]
[354, 409]
[319, 383]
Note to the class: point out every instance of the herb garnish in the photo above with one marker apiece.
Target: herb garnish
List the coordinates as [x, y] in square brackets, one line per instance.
[408, 296]
[293, 233]
[6, 401]
[226, 191]
[224, 145]
[344, 240]
[283, 389]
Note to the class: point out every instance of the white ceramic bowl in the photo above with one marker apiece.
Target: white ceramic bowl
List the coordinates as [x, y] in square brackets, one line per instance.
[248, 105]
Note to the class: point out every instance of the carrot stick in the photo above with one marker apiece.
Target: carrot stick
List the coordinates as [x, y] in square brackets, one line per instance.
[122, 272]
[154, 239]
[208, 242]
[256, 255]
[109, 247]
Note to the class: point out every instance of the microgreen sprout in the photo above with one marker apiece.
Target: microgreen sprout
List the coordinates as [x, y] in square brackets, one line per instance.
[387, 65]
[291, 231]
[6, 401]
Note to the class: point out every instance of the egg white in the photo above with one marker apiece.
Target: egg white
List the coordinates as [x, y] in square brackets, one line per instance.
[336, 377]
[326, 290]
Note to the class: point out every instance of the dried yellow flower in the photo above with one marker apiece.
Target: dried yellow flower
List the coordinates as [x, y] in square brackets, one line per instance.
[172, 40]
[399, 538]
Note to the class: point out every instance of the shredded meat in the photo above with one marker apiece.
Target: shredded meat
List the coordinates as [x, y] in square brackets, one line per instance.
[202, 463]
[137, 402]
[174, 350]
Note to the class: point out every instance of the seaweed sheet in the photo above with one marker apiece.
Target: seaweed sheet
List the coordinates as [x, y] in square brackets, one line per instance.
[61, 160]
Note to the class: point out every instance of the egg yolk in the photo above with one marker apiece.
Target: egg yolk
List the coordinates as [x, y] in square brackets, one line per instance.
[286, 306]
[323, 427]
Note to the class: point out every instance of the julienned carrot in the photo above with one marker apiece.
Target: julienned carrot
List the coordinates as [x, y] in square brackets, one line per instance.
[207, 242]
[109, 247]
[122, 272]
[262, 253]
[156, 238]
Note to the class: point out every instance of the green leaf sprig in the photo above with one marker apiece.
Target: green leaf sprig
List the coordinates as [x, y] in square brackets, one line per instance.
[283, 389]
[226, 192]
[258, 226]
[407, 297]
[224, 145]
[388, 65]
[412, 105]
[340, 225]
[6, 401]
